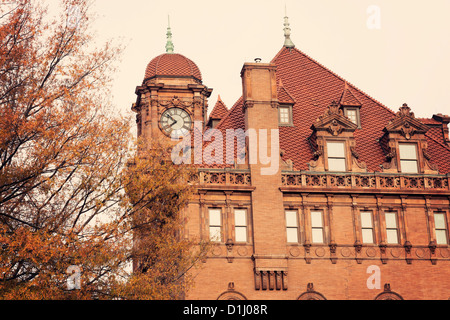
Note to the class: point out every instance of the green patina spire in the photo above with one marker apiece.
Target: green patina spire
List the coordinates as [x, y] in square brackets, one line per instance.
[169, 44]
[287, 32]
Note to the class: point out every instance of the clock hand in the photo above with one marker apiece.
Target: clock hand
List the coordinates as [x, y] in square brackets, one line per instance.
[168, 116]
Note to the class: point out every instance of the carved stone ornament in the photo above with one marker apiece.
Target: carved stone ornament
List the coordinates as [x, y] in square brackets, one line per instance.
[406, 123]
[175, 102]
[388, 294]
[231, 294]
[335, 128]
[405, 111]
[311, 294]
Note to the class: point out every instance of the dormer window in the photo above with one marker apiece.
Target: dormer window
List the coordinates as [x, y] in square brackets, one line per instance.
[333, 143]
[353, 115]
[285, 116]
[405, 145]
[408, 157]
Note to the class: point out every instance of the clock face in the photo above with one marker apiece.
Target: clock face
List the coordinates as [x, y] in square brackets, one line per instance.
[176, 122]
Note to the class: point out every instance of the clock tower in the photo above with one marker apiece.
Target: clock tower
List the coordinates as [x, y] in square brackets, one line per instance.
[171, 97]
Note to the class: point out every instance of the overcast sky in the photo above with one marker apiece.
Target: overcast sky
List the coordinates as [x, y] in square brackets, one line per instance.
[405, 60]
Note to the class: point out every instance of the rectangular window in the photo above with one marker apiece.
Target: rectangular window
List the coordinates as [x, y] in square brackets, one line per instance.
[367, 227]
[408, 157]
[440, 228]
[316, 227]
[240, 225]
[352, 114]
[291, 226]
[336, 156]
[215, 225]
[284, 114]
[391, 227]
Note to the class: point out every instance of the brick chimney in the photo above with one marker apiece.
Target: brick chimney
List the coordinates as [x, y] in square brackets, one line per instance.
[269, 226]
[445, 120]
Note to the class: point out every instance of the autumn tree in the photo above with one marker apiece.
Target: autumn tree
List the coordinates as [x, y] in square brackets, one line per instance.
[70, 193]
[158, 192]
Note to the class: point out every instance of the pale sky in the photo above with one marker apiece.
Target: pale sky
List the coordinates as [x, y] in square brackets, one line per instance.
[406, 60]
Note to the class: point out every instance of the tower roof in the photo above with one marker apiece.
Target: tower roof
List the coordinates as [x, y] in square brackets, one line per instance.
[172, 65]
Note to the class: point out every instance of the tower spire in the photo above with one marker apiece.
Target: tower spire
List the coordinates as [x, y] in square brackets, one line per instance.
[287, 31]
[169, 44]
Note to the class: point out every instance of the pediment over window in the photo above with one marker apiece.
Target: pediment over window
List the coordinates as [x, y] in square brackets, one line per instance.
[334, 121]
[406, 124]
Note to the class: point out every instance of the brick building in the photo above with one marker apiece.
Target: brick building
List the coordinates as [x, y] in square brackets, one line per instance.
[358, 207]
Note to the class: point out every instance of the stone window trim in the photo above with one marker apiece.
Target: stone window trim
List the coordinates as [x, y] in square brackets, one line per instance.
[291, 225]
[390, 225]
[247, 224]
[404, 158]
[290, 122]
[442, 226]
[357, 115]
[214, 224]
[332, 156]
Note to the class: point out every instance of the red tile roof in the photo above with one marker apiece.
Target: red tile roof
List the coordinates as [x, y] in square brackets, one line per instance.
[348, 98]
[283, 95]
[313, 87]
[219, 111]
[172, 64]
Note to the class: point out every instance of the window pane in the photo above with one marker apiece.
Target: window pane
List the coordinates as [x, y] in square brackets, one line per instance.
[390, 220]
[291, 218]
[441, 237]
[408, 151]
[392, 236]
[336, 164]
[292, 234]
[351, 114]
[366, 219]
[241, 234]
[240, 217]
[284, 115]
[316, 219]
[215, 234]
[214, 217]
[409, 166]
[367, 235]
[439, 221]
[335, 149]
[317, 235]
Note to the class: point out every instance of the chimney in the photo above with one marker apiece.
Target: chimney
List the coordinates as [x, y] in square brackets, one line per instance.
[445, 120]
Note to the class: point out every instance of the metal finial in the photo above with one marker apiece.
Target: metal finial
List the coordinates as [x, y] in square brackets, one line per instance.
[169, 44]
[287, 32]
